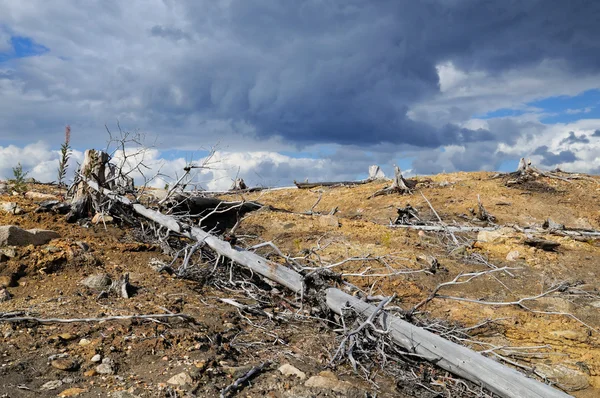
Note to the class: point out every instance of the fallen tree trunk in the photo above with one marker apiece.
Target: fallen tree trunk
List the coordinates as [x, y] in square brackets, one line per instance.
[309, 185]
[375, 173]
[450, 356]
[456, 359]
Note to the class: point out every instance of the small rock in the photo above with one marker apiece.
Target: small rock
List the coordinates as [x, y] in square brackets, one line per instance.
[11, 235]
[51, 385]
[9, 252]
[567, 378]
[72, 392]
[106, 367]
[4, 295]
[513, 255]
[64, 364]
[97, 281]
[496, 236]
[329, 221]
[84, 342]
[328, 381]
[39, 196]
[102, 218]
[96, 358]
[289, 370]
[180, 379]
[3, 188]
[11, 208]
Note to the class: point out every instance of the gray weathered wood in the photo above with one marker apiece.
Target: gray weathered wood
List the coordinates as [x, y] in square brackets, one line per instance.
[457, 359]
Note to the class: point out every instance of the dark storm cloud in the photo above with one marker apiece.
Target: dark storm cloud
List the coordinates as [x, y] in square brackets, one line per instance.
[575, 139]
[336, 71]
[347, 71]
[550, 158]
[168, 33]
[596, 133]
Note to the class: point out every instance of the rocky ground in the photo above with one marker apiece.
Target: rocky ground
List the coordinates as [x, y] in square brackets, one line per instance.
[44, 275]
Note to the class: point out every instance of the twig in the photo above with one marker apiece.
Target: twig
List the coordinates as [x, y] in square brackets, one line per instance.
[238, 382]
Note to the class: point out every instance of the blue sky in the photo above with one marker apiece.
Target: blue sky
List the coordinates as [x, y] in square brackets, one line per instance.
[321, 91]
[21, 47]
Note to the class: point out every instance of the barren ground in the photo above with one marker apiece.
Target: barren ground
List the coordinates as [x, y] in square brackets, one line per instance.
[147, 354]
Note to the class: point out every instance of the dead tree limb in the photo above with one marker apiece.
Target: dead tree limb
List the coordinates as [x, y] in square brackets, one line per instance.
[457, 359]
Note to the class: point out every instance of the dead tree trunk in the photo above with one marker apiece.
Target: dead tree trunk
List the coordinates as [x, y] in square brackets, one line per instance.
[399, 185]
[92, 168]
[456, 359]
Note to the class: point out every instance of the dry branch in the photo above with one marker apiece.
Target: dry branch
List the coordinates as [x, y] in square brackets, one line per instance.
[457, 359]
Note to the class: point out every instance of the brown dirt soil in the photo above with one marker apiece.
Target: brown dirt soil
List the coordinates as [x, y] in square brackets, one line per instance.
[147, 354]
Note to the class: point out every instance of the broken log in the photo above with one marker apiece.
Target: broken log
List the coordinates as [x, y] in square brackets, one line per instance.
[375, 173]
[456, 359]
[310, 185]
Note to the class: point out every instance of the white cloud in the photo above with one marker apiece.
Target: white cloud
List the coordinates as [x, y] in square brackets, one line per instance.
[37, 159]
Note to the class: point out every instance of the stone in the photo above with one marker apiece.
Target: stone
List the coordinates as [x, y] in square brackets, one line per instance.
[3, 188]
[97, 281]
[72, 392]
[102, 218]
[11, 235]
[90, 373]
[327, 380]
[497, 235]
[51, 385]
[289, 370]
[11, 208]
[96, 358]
[106, 367]
[39, 196]
[65, 364]
[329, 221]
[9, 252]
[4, 295]
[567, 378]
[84, 342]
[513, 255]
[180, 379]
